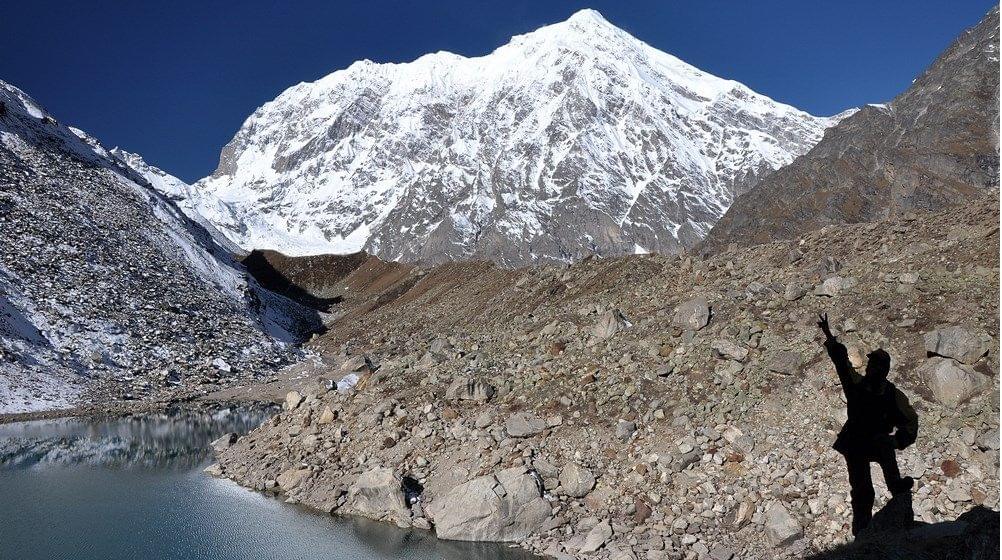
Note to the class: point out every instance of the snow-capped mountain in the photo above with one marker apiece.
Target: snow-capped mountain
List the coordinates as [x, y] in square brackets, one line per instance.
[106, 288]
[574, 139]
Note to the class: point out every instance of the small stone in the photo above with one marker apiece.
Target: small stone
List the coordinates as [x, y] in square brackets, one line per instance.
[781, 528]
[950, 468]
[625, 429]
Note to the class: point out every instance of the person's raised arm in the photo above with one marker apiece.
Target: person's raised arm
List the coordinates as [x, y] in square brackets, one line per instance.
[838, 354]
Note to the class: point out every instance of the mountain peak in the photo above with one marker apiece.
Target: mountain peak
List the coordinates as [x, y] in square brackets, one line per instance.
[588, 16]
[492, 157]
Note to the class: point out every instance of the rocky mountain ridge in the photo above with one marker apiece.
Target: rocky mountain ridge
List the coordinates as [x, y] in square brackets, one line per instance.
[934, 145]
[574, 139]
[107, 290]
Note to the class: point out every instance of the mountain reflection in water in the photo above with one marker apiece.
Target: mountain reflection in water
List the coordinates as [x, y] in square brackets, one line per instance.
[178, 439]
[133, 487]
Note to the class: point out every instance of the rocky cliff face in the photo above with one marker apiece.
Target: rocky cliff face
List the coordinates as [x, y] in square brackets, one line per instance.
[106, 288]
[572, 140]
[934, 145]
[653, 406]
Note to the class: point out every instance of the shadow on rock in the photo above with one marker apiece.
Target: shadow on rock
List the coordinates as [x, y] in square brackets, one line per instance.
[894, 535]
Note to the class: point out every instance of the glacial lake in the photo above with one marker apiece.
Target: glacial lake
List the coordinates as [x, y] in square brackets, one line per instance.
[133, 488]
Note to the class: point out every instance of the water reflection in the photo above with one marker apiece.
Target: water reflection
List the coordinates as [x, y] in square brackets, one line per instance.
[174, 439]
[56, 505]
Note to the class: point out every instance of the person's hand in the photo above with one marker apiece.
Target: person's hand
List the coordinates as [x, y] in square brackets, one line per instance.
[824, 326]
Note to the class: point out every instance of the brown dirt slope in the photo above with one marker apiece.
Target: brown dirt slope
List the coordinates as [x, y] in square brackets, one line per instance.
[692, 435]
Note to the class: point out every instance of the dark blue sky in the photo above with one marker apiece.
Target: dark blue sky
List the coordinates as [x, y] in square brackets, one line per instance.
[174, 81]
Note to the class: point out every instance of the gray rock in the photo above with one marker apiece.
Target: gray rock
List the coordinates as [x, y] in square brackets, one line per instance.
[505, 506]
[597, 537]
[951, 383]
[989, 440]
[523, 424]
[728, 350]
[377, 494]
[781, 528]
[958, 343]
[625, 429]
[693, 314]
[576, 481]
[786, 362]
[794, 291]
[224, 442]
[609, 324]
[834, 286]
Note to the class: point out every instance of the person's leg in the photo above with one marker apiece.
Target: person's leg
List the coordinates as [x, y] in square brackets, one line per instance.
[861, 491]
[892, 476]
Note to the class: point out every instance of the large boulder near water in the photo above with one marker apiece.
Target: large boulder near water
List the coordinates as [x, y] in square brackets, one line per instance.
[958, 343]
[505, 506]
[292, 478]
[378, 494]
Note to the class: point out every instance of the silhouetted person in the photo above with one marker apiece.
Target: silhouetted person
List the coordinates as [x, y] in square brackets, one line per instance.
[876, 409]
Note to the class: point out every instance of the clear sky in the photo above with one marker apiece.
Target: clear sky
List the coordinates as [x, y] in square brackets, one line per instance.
[173, 81]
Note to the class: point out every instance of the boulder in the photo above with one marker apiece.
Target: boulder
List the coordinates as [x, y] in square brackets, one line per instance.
[469, 389]
[951, 383]
[505, 506]
[576, 481]
[625, 429]
[958, 343]
[327, 416]
[693, 314]
[781, 528]
[523, 424]
[609, 324]
[834, 286]
[292, 478]
[292, 400]
[223, 443]
[378, 494]
[597, 537]
[785, 362]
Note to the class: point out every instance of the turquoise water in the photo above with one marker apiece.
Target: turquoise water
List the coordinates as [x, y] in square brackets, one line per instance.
[110, 498]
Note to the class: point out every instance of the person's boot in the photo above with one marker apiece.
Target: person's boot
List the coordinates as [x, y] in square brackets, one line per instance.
[903, 485]
[860, 521]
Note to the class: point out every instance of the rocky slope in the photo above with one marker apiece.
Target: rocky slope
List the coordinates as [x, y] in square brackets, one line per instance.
[106, 289]
[934, 145]
[651, 406]
[572, 140]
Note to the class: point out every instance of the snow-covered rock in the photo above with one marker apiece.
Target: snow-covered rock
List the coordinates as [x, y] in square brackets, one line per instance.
[571, 140]
[107, 290]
